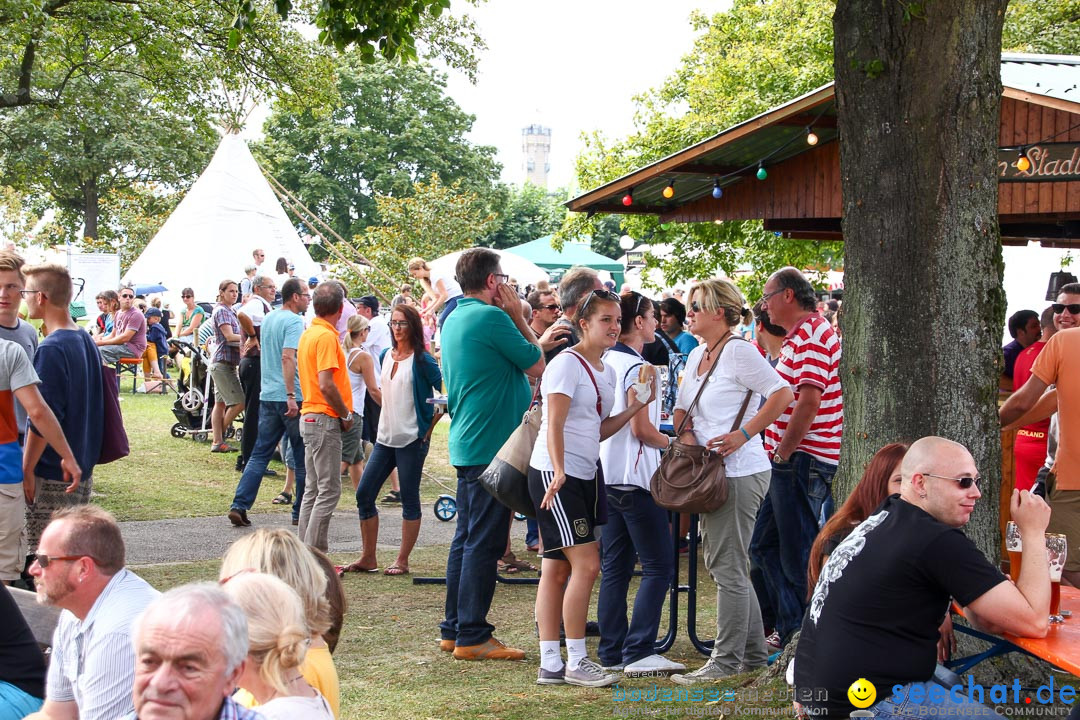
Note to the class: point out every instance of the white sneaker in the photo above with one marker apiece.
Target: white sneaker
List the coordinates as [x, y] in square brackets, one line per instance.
[772, 642]
[653, 664]
[708, 672]
[589, 674]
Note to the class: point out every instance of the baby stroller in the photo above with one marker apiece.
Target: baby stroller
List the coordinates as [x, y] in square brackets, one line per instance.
[195, 394]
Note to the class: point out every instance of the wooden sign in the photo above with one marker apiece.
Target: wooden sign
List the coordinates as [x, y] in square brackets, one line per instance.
[1050, 162]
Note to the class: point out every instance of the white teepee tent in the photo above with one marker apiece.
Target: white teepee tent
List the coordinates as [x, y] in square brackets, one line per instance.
[228, 212]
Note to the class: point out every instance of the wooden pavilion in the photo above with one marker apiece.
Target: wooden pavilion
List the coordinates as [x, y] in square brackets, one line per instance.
[800, 194]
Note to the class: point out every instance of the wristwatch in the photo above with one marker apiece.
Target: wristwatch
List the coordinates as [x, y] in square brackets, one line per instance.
[348, 418]
[778, 458]
[291, 395]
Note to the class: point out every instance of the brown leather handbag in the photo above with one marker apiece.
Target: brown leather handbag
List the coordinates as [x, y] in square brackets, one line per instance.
[691, 478]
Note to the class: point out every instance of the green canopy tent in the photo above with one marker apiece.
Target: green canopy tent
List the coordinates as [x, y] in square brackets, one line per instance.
[541, 253]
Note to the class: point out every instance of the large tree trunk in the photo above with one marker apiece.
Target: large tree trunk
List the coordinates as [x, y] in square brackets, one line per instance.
[918, 88]
[91, 209]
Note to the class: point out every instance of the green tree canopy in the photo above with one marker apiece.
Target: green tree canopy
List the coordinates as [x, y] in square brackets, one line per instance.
[433, 220]
[394, 126]
[530, 212]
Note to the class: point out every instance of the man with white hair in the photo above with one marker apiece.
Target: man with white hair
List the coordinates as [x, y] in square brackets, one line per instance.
[885, 589]
[190, 648]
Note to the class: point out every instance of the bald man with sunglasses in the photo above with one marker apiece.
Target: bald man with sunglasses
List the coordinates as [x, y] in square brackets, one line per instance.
[128, 336]
[885, 589]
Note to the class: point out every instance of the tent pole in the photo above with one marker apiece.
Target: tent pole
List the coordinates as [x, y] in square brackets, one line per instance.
[317, 219]
[330, 248]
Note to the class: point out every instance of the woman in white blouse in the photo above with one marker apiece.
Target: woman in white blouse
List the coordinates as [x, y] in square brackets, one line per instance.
[714, 310]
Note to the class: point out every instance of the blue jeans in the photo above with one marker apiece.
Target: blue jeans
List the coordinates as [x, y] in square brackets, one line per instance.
[272, 425]
[409, 461]
[532, 531]
[932, 701]
[448, 308]
[15, 703]
[483, 524]
[636, 527]
[786, 526]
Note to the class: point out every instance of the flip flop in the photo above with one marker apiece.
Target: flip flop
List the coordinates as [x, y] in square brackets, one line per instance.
[396, 570]
[356, 567]
[283, 499]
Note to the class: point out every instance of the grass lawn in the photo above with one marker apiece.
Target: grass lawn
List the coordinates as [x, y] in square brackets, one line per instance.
[388, 659]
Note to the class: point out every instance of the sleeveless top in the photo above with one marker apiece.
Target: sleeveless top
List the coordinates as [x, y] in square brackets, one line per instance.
[357, 381]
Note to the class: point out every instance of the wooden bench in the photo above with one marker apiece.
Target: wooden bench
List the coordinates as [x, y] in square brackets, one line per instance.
[42, 619]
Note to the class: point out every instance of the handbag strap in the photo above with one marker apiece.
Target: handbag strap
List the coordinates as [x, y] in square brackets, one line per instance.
[585, 364]
[742, 411]
[704, 381]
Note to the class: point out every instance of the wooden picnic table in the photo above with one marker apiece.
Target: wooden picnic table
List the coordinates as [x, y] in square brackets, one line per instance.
[1060, 647]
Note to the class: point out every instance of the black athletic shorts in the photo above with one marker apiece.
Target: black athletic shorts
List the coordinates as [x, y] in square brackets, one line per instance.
[572, 516]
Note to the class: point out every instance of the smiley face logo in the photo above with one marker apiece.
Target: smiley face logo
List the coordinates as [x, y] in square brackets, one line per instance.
[862, 693]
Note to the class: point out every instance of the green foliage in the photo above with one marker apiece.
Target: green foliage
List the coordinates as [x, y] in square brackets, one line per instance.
[106, 134]
[435, 219]
[746, 60]
[17, 217]
[1042, 26]
[394, 126]
[530, 212]
[133, 215]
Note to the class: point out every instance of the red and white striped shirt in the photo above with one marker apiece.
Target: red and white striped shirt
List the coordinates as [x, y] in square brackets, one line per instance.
[811, 356]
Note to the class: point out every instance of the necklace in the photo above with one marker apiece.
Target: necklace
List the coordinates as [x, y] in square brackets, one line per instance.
[709, 350]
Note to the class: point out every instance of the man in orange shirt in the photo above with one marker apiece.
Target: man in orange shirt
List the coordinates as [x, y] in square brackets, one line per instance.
[1058, 364]
[326, 412]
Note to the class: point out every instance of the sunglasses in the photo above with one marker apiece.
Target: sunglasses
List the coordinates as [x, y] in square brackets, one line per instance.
[44, 560]
[1073, 308]
[126, 295]
[964, 482]
[602, 294]
[185, 297]
[553, 306]
[695, 307]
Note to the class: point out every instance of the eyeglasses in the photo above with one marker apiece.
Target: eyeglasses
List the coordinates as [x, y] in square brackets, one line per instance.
[264, 287]
[126, 295]
[28, 293]
[501, 278]
[602, 294]
[1073, 308]
[44, 560]
[398, 324]
[242, 571]
[964, 482]
[766, 296]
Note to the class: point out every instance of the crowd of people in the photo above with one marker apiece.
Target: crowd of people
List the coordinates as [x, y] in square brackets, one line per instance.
[340, 389]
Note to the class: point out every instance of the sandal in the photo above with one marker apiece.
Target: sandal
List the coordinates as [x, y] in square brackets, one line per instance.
[356, 567]
[510, 565]
[283, 498]
[396, 570]
[393, 496]
[506, 568]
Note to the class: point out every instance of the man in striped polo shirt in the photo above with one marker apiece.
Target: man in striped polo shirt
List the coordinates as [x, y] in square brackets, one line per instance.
[803, 443]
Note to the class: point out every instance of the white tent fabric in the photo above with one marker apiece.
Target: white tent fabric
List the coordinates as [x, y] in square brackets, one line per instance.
[524, 271]
[228, 212]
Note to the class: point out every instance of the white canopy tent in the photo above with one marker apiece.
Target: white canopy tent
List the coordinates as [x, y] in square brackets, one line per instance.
[524, 271]
[227, 213]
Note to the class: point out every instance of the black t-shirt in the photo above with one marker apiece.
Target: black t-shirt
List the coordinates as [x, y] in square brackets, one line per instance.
[879, 601]
[21, 661]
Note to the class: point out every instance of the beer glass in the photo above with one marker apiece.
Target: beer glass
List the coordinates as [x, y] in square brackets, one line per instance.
[1056, 551]
[1015, 549]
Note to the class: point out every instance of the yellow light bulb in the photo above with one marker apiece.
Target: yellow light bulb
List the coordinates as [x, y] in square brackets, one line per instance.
[1023, 164]
[669, 192]
[811, 138]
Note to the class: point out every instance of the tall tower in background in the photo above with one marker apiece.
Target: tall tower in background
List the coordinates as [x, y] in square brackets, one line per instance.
[536, 146]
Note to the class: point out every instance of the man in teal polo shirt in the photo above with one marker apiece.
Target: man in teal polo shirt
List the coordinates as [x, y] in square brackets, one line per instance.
[487, 352]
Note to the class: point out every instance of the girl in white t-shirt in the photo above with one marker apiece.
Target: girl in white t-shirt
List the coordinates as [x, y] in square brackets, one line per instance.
[578, 391]
[441, 287]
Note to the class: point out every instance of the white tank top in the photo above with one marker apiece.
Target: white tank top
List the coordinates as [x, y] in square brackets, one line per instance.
[357, 381]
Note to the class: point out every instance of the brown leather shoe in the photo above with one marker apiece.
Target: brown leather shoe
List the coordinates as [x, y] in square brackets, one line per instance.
[447, 645]
[490, 650]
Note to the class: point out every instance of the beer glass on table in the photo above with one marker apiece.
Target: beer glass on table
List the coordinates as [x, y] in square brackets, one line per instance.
[1056, 551]
[1015, 548]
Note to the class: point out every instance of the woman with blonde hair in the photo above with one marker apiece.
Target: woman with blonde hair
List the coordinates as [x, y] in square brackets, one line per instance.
[363, 379]
[726, 376]
[278, 640]
[441, 287]
[280, 553]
